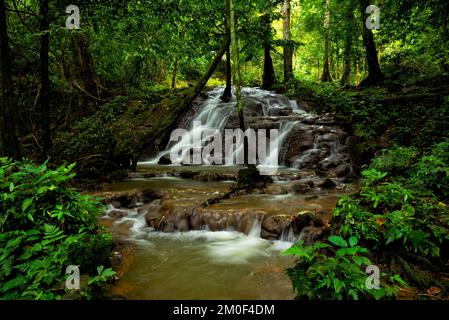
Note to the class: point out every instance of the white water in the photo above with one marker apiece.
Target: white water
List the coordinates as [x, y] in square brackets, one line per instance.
[214, 114]
[220, 247]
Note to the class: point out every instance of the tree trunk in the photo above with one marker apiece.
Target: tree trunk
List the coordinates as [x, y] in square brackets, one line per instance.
[326, 77]
[227, 94]
[237, 80]
[175, 72]
[375, 75]
[346, 78]
[160, 134]
[9, 144]
[44, 112]
[357, 74]
[196, 90]
[82, 71]
[268, 69]
[288, 51]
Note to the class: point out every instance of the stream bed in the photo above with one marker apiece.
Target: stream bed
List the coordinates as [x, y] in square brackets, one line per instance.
[201, 264]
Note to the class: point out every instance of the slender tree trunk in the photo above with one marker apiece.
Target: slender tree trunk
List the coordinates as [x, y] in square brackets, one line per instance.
[346, 78]
[326, 77]
[175, 72]
[357, 74]
[83, 71]
[44, 112]
[268, 69]
[288, 51]
[227, 94]
[318, 69]
[196, 90]
[9, 144]
[375, 75]
[237, 80]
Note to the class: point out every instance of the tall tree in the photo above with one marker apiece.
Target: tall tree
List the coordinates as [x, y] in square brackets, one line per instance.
[235, 51]
[348, 14]
[288, 50]
[9, 144]
[375, 75]
[227, 94]
[236, 63]
[44, 112]
[326, 76]
[268, 68]
[346, 75]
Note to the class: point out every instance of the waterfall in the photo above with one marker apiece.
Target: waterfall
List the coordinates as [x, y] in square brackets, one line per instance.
[214, 114]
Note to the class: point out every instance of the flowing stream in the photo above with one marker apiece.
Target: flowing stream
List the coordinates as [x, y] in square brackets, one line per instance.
[212, 260]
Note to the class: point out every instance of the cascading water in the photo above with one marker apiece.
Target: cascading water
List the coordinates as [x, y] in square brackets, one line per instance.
[237, 240]
[303, 140]
[214, 116]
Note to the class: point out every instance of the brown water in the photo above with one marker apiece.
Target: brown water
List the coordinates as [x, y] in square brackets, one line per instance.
[204, 264]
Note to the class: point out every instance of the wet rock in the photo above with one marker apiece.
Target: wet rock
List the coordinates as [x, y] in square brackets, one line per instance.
[116, 204]
[308, 158]
[131, 200]
[351, 141]
[342, 170]
[140, 175]
[276, 224]
[253, 107]
[117, 214]
[215, 220]
[310, 234]
[126, 200]
[149, 195]
[208, 176]
[165, 160]
[175, 219]
[268, 235]
[153, 219]
[280, 112]
[187, 174]
[306, 219]
[303, 186]
[297, 142]
[168, 227]
[278, 100]
[328, 184]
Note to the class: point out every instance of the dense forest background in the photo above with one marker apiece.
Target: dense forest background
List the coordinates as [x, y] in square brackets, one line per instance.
[104, 86]
[53, 76]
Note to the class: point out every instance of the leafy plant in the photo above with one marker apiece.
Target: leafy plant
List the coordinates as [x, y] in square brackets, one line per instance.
[399, 203]
[333, 270]
[43, 224]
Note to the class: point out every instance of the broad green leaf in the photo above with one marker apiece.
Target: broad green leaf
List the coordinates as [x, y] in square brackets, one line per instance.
[338, 241]
[353, 241]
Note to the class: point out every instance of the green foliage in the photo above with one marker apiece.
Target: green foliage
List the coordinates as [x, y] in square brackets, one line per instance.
[334, 271]
[44, 227]
[400, 203]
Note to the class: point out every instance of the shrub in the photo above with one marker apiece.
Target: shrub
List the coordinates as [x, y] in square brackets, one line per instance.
[334, 270]
[400, 203]
[45, 227]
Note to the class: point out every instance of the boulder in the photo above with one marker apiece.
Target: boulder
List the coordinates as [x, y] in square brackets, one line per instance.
[276, 224]
[342, 170]
[302, 186]
[117, 214]
[297, 142]
[328, 184]
[165, 160]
